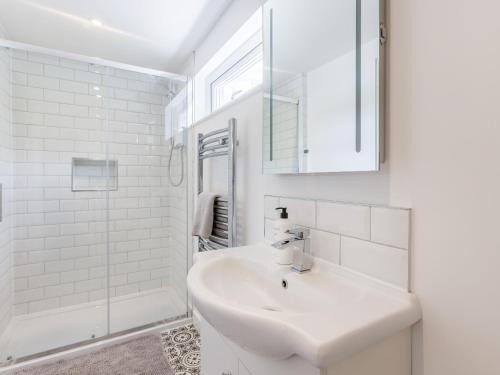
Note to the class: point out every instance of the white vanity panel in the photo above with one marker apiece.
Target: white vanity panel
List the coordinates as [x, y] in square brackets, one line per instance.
[219, 356]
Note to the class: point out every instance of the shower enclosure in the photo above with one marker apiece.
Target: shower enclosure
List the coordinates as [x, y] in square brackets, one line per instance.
[93, 237]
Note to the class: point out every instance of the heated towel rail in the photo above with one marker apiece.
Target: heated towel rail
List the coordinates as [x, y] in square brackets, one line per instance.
[220, 143]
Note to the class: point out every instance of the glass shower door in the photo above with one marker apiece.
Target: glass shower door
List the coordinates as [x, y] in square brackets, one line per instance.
[147, 214]
[59, 207]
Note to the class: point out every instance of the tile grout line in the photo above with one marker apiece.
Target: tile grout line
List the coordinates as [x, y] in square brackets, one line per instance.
[347, 203]
[353, 237]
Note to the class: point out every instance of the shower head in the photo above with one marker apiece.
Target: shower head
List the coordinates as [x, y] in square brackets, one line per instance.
[171, 94]
[170, 86]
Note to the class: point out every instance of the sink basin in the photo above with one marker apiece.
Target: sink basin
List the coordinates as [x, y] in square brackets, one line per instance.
[322, 316]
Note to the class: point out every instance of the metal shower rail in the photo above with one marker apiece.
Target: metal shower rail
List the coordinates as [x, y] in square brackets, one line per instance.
[90, 60]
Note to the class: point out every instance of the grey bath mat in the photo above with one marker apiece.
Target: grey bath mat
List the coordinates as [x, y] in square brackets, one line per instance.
[141, 356]
[182, 347]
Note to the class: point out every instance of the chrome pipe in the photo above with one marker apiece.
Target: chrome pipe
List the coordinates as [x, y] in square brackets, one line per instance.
[212, 148]
[231, 189]
[212, 133]
[212, 155]
[221, 140]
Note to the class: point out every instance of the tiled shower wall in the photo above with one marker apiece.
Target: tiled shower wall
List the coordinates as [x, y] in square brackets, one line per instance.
[178, 226]
[6, 158]
[373, 240]
[60, 112]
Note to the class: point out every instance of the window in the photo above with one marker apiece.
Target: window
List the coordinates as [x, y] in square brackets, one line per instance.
[232, 70]
[241, 76]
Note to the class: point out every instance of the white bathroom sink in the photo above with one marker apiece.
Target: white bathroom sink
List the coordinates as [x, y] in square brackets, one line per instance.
[322, 316]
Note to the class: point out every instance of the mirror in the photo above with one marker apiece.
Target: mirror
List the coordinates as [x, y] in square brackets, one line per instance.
[323, 91]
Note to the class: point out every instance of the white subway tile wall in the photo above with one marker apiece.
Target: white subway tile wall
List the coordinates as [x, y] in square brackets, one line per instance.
[369, 239]
[300, 211]
[287, 118]
[270, 205]
[67, 109]
[7, 181]
[325, 245]
[390, 227]
[382, 262]
[349, 219]
[177, 222]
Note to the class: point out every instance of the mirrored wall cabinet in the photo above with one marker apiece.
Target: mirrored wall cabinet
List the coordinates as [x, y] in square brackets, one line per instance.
[323, 86]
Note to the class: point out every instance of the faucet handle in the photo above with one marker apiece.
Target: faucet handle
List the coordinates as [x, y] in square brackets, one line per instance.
[299, 232]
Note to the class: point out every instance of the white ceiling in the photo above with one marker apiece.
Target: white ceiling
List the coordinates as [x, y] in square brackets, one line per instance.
[157, 34]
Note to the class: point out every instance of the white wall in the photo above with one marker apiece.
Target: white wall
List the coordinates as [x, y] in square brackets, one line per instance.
[236, 14]
[445, 137]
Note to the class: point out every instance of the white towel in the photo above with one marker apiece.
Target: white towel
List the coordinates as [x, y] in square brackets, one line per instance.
[204, 217]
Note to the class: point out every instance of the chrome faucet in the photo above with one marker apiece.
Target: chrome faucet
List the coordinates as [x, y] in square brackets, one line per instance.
[302, 261]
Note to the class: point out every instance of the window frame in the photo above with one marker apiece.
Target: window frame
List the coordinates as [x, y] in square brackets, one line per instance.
[236, 63]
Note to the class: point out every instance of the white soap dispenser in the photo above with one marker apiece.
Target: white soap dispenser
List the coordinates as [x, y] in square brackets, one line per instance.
[280, 228]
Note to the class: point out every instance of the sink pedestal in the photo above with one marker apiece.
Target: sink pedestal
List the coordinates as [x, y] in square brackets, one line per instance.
[220, 356]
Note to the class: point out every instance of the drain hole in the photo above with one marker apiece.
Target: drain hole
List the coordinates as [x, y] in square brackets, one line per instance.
[284, 283]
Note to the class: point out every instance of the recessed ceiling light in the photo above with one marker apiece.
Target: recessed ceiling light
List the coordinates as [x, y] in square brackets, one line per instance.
[96, 22]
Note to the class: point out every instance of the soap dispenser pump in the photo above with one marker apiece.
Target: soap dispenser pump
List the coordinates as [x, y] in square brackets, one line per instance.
[281, 225]
[283, 213]
[280, 229]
